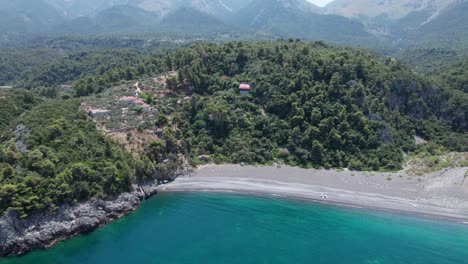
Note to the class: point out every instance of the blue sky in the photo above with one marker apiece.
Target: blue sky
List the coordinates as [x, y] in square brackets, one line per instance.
[320, 2]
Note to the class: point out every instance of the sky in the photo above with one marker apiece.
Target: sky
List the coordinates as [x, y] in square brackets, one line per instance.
[320, 2]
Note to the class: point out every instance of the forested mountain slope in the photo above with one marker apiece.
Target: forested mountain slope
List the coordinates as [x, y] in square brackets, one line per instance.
[14, 62]
[298, 19]
[186, 20]
[311, 105]
[21, 17]
[57, 61]
[394, 9]
[456, 76]
[386, 25]
[52, 155]
[77, 65]
[448, 29]
[116, 19]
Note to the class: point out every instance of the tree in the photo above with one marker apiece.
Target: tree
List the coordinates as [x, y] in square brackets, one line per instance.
[172, 83]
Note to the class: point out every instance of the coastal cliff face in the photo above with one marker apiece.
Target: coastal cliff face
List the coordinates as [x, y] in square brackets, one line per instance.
[19, 236]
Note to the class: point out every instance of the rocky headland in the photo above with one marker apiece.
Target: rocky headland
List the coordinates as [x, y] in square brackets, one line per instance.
[19, 236]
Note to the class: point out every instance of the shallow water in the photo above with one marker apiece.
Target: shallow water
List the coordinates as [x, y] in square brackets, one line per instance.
[227, 228]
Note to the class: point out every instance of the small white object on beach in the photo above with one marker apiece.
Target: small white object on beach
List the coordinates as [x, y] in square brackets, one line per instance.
[359, 191]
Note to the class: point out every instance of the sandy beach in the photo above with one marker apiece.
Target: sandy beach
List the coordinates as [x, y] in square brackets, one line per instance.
[442, 194]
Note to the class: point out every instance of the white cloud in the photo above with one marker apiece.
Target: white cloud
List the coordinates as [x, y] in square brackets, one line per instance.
[320, 2]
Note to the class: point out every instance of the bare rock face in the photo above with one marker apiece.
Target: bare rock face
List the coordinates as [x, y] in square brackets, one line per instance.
[19, 236]
[21, 132]
[394, 9]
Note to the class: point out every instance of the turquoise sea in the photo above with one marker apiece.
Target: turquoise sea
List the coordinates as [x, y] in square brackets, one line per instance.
[227, 228]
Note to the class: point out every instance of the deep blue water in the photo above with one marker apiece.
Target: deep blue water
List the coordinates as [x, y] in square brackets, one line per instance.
[227, 228]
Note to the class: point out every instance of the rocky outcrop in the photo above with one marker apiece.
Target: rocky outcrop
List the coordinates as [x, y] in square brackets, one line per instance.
[19, 236]
[416, 99]
[21, 132]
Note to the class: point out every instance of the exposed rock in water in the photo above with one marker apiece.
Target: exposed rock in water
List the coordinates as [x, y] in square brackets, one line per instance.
[19, 236]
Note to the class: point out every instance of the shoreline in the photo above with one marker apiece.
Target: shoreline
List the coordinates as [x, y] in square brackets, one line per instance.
[42, 230]
[432, 196]
[316, 201]
[441, 195]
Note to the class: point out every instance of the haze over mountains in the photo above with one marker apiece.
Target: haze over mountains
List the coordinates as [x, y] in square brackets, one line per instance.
[364, 22]
[389, 8]
[421, 21]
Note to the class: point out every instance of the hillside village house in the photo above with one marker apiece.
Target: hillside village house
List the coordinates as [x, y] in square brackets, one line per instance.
[134, 101]
[98, 112]
[244, 88]
[95, 112]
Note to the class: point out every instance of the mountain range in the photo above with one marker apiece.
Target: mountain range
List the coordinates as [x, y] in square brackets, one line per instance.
[393, 9]
[414, 21]
[363, 22]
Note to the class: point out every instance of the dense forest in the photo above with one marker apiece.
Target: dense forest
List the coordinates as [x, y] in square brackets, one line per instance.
[14, 62]
[456, 76]
[311, 105]
[47, 62]
[53, 155]
[78, 65]
[15, 103]
[329, 107]
[430, 61]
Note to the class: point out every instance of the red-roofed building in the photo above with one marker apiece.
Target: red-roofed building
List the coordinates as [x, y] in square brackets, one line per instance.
[244, 88]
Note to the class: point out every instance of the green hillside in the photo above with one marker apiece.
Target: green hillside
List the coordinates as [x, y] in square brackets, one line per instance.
[446, 30]
[117, 19]
[456, 76]
[292, 21]
[27, 17]
[189, 20]
[64, 159]
[311, 104]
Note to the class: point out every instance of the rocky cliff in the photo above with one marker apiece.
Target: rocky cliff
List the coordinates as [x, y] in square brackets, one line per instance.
[19, 236]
